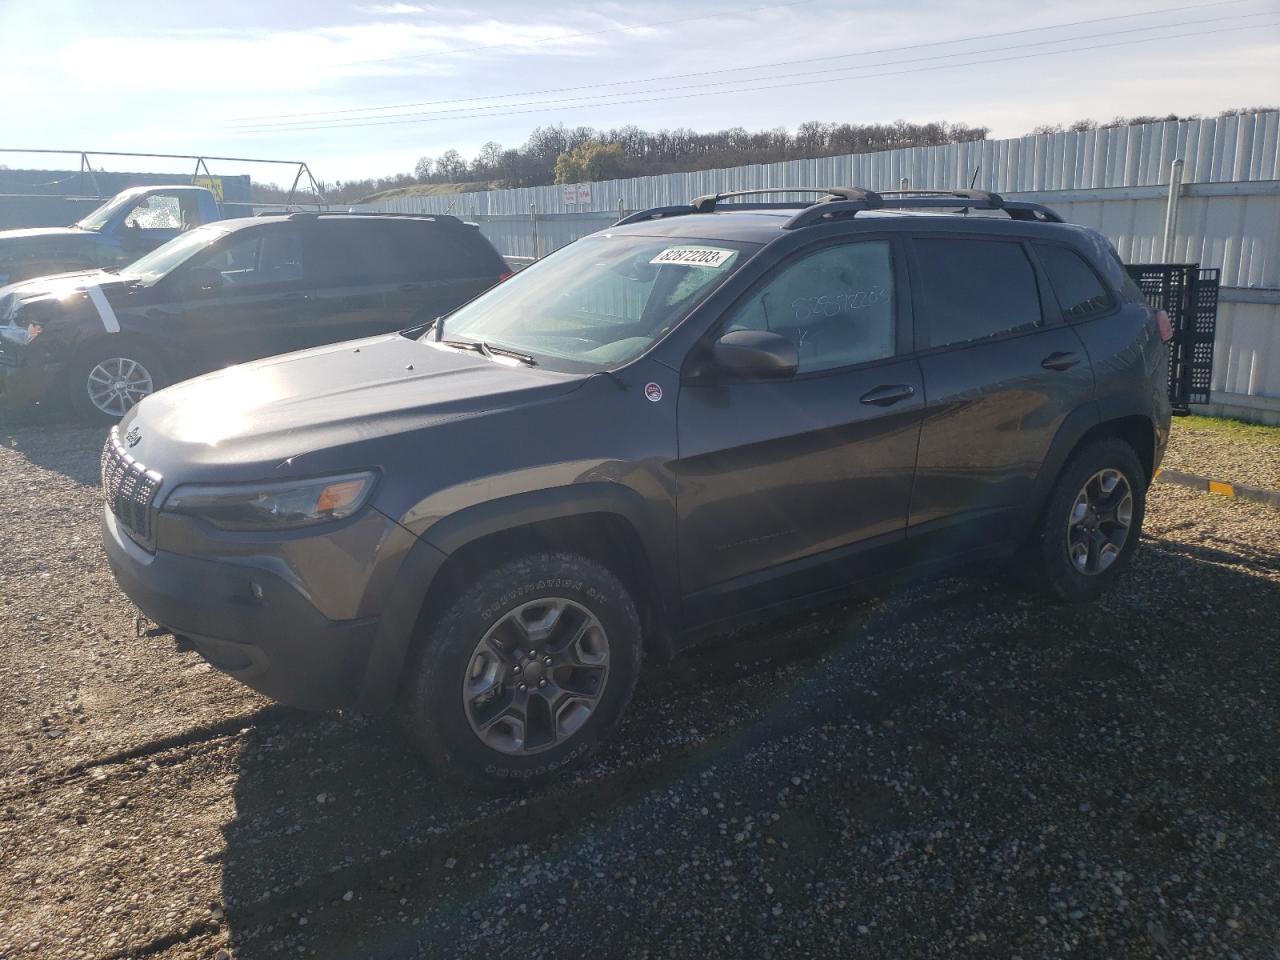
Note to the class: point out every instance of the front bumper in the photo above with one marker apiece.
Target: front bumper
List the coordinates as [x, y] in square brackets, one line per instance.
[247, 622]
[23, 383]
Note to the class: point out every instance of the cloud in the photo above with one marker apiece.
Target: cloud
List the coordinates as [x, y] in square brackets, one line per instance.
[398, 9]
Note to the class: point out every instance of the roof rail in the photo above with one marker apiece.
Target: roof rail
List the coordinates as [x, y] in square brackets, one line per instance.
[656, 213]
[707, 203]
[984, 195]
[849, 201]
[1025, 210]
[309, 214]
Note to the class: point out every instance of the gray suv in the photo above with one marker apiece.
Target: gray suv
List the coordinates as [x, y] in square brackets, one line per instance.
[703, 413]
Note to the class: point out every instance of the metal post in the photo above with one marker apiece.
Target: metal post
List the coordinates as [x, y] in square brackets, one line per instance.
[621, 210]
[1171, 211]
[533, 220]
[904, 183]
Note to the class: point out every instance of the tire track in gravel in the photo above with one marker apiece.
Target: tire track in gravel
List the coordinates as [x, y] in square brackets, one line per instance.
[187, 743]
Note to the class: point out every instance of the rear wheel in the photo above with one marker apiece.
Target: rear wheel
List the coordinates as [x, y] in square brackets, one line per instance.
[109, 379]
[1091, 524]
[526, 673]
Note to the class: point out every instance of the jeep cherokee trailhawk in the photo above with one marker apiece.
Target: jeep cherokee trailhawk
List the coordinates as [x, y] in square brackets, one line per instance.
[698, 414]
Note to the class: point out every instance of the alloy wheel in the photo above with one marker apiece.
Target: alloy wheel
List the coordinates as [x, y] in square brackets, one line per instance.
[536, 676]
[1098, 526]
[117, 384]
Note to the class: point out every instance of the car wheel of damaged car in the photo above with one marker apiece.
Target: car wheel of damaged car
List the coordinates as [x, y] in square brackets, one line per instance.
[108, 381]
[526, 672]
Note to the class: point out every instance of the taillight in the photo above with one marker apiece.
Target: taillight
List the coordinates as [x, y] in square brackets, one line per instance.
[1166, 328]
[506, 276]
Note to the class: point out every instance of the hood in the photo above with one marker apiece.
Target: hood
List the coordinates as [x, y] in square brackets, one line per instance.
[32, 233]
[64, 287]
[258, 417]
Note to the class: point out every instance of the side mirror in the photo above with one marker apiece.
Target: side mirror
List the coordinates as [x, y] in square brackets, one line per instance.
[756, 355]
[201, 281]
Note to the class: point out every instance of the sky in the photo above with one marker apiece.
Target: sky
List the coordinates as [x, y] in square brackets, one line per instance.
[359, 89]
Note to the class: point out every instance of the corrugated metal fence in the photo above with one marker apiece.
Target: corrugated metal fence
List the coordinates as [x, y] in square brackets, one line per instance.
[1115, 180]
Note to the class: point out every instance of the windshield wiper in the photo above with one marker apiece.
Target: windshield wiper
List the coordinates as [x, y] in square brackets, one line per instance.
[490, 350]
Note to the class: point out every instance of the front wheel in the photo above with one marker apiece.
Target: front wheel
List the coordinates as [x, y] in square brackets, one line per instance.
[526, 673]
[1091, 524]
[109, 379]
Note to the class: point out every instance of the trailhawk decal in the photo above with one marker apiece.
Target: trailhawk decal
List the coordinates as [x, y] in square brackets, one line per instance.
[693, 256]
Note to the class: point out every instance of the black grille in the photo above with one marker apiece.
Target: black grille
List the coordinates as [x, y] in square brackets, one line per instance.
[130, 490]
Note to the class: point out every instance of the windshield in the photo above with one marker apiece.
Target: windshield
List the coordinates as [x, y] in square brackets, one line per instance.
[176, 252]
[99, 217]
[599, 302]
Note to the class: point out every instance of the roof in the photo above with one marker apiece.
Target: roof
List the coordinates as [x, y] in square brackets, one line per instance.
[279, 216]
[765, 225]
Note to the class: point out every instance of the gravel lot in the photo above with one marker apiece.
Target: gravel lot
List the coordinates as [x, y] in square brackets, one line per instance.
[1226, 450]
[953, 770]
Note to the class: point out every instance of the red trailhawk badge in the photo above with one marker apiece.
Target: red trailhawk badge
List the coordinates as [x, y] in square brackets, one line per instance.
[653, 392]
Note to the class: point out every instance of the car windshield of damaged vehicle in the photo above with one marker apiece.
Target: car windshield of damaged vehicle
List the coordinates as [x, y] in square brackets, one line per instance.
[229, 292]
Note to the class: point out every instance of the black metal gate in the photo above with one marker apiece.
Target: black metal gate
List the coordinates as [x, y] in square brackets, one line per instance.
[1189, 295]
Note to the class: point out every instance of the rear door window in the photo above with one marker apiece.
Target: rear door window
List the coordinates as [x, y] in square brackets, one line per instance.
[1079, 291]
[973, 289]
[354, 253]
[433, 251]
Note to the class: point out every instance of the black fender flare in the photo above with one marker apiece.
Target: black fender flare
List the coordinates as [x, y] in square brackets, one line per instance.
[424, 560]
[1071, 431]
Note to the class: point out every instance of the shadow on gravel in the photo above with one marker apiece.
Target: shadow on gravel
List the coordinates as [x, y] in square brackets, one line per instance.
[328, 806]
[1029, 724]
[52, 439]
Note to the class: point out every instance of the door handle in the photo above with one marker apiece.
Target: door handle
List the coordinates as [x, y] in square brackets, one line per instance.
[1060, 360]
[296, 295]
[889, 395]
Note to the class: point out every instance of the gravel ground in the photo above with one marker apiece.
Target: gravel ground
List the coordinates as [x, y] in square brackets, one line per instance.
[1226, 450]
[955, 769]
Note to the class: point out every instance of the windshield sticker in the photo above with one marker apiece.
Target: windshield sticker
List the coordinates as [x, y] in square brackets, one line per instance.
[693, 256]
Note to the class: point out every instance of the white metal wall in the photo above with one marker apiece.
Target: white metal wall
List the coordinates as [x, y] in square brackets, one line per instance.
[1114, 180]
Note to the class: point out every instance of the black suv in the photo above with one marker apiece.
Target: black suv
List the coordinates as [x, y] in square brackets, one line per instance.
[232, 291]
[701, 413]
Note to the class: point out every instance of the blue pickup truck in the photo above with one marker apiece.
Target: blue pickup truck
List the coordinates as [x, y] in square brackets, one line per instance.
[124, 228]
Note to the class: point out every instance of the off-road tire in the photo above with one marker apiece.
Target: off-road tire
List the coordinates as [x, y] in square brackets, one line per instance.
[1046, 561]
[431, 707]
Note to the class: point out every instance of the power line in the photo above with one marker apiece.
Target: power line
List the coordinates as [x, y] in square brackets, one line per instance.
[602, 99]
[801, 83]
[567, 36]
[759, 66]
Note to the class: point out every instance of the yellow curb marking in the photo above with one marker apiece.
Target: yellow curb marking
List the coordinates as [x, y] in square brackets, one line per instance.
[1226, 489]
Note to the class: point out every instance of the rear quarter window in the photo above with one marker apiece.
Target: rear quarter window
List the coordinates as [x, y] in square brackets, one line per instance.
[1080, 291]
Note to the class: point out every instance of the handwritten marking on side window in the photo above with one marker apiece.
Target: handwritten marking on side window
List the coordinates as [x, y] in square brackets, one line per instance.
[831, 305]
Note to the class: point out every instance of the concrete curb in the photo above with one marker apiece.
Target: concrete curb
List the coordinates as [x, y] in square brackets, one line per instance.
[1222, 488]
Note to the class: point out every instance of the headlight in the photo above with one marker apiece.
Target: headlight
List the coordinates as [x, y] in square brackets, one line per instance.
[273, 506]
[23, 333]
